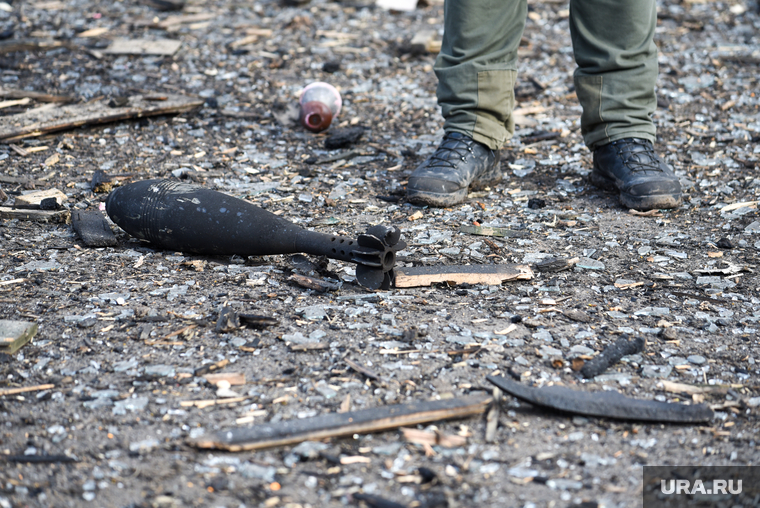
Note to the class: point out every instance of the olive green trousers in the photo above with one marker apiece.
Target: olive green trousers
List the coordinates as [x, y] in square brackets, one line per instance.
[614, 80]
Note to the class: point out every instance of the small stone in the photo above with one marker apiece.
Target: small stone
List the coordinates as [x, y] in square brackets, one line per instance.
[105, 394]
[98, 403]
[309, 449]
[238, 341]
[342, 138]
[159, 371]
[652, 311]
[393, 448]
[313, 313]
[753, 227]
[549, 351]
[125, 365]
[257, 472]
[316, 335]
[696, 359]
[297, 338]
[725, 243]
[564, 484]
[132, 404]
[451, 251]
[536, 203]
[522, 472]
[331, 67]
[165, 502]
[590, 264]
[489, 468]
[577, 315]
[578, 350]
[544, 335]
[176, 291]
[227, 321]
[223, 390]
[656, 371]
[88, 322]
[143, 446]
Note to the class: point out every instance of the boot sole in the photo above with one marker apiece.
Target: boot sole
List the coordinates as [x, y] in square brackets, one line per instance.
[442, 200]
[641, 203]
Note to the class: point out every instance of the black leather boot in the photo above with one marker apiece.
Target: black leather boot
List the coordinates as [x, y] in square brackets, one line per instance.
[460, 163]
[632, 167]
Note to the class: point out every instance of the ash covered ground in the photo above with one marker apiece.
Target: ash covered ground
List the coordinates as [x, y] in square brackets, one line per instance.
[124, 330]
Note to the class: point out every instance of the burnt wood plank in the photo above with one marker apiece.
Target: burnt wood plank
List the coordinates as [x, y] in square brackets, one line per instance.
[343, 424]
[7, 212]
[53, 117]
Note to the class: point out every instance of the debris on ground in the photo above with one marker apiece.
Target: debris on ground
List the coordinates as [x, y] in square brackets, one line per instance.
[49, 199]
[419, 276]
[492, 231]
[25, 389]
[15, 334]
[92, 228]
[154, 47]
[343, 424]
[40, 215]
[128, 332]
[612, 354]
[555, 264]
[343, 138]
[52, 118]
[425, 41]
[606, 404]
[313, 283]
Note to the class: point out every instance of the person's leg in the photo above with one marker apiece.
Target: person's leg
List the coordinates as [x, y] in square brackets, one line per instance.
[613, 42]
[477, 67]
[476, 71]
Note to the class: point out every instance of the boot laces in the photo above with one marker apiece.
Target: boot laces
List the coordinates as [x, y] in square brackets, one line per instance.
[448, 147]
[638, 155]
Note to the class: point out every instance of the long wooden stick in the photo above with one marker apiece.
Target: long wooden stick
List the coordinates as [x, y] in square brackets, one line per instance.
[23, 389]
[343, 424]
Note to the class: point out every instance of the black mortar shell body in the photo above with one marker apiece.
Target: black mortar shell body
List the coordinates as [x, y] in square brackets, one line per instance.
[188, 218]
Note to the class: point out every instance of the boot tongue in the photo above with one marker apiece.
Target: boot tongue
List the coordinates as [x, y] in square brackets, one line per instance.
[640, 156]
[454, 142]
